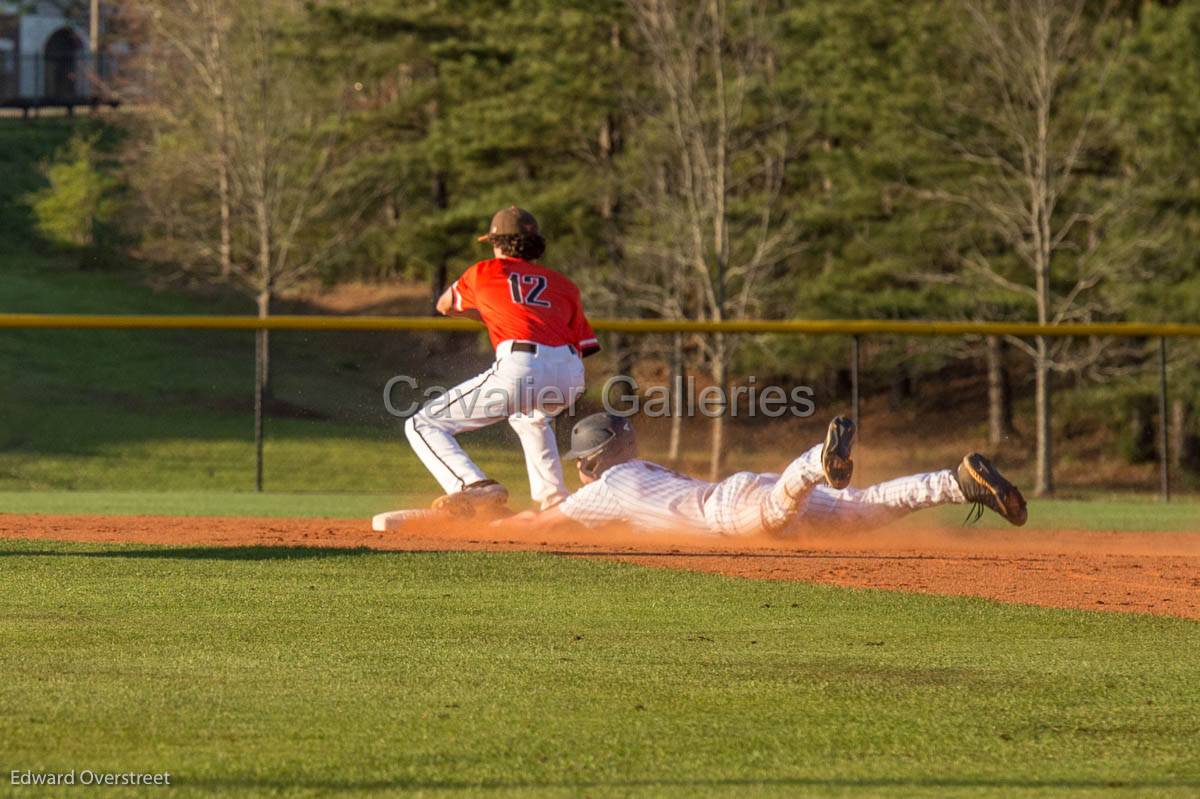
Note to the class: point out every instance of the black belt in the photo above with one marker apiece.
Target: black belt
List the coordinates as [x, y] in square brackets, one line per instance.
[531, 348]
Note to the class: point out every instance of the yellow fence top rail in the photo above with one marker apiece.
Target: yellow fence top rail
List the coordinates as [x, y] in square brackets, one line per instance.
[806, 327]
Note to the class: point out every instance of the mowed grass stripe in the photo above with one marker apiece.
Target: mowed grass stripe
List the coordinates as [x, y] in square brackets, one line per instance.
[414, 491]
[296, 671]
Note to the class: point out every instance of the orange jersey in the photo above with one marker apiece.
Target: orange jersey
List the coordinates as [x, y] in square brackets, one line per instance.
[524, 301]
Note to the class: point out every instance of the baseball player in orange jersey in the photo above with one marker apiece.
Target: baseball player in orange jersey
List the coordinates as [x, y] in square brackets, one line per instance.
[538, 328]
[812, 492]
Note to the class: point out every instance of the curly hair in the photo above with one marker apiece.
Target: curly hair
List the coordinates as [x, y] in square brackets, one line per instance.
[526, 246]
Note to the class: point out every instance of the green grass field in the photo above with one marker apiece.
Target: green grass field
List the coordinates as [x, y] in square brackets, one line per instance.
[293, 672]
[1098, 515]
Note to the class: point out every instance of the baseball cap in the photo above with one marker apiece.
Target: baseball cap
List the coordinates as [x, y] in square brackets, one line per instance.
[511, 221]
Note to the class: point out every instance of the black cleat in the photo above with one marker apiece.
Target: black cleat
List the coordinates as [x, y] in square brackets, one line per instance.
[982, 484]
[486, 496]
[835, 455]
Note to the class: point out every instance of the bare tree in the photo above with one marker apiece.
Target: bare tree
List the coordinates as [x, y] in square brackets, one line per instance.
[182, 69]
[1029, 94]
[230, 158]
[713, 231]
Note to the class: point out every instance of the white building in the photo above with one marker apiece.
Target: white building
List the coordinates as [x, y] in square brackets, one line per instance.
[44, 53]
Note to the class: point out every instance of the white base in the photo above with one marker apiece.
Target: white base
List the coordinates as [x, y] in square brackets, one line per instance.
[398, 519]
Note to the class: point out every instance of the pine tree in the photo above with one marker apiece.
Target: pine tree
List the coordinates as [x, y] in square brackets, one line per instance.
[465, 108]
[1155, 96]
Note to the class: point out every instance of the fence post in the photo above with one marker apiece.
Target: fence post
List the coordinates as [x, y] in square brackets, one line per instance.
[1164, 463]
[259, 387]
[854, 361]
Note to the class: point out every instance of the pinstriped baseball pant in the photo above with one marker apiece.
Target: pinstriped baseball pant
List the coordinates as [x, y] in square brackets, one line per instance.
[747, 503]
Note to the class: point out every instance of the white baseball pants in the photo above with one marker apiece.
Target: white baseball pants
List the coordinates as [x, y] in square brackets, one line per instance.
[527, 389]
[748, 503]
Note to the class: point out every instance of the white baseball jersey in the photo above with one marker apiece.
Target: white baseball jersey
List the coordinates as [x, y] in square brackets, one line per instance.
[644, 494]
[652, 497]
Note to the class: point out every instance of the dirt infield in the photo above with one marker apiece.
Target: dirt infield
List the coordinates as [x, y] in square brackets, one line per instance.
[1156, 573]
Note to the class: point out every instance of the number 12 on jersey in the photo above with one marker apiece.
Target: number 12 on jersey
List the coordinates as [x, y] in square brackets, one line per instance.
[527, 289]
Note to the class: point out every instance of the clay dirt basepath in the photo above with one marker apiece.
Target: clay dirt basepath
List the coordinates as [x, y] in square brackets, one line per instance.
[1155, 573]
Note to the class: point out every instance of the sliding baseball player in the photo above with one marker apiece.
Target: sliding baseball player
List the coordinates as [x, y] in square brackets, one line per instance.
[537, 326]
[812, 491]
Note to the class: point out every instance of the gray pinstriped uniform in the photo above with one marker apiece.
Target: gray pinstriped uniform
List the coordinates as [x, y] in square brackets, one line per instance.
[652, 497]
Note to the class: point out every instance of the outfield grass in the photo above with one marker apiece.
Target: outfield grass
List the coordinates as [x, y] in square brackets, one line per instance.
[293, 672]
[162, 455]
[1099, 516]
[204, 503]
[135, 410]
[1102, 514]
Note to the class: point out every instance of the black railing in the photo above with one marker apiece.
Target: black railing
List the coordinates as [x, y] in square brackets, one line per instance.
[57, 80]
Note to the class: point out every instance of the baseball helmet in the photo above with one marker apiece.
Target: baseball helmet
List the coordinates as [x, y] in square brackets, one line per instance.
[601, 441]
